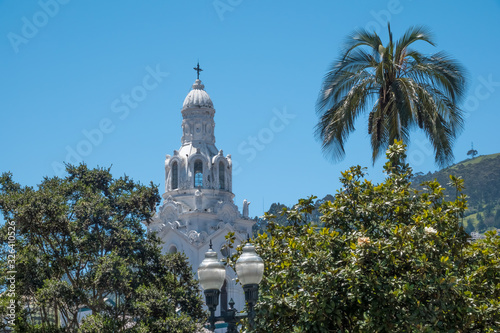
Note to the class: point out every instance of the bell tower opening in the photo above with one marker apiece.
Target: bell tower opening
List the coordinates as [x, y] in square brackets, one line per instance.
[198, 173]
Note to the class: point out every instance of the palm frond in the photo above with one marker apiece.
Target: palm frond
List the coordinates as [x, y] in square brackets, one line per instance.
[446, 108]
[442, 71]
[440, 122]
[442, 139]
[405, 102]
[343, 76]
[413, 34]
[361, 38]
[338, 122]
[379, 133]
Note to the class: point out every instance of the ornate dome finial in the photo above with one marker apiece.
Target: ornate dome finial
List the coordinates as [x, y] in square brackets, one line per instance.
[198, 97]
[198, 85]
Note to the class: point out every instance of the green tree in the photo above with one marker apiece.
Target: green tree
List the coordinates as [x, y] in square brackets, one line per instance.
[80, 242]
[399, 86]
[470, 226]
[488, 210]
[389, 258]
[482, 290]
[480, 226]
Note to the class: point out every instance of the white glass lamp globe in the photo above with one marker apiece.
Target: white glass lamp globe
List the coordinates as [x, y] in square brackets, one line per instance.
[211, 272]
[249, 267]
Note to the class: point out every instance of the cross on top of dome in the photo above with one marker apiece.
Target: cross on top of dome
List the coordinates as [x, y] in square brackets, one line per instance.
[198, 70]
[198, 97]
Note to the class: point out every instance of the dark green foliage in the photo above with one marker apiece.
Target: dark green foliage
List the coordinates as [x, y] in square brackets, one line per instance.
[261, 223]
[276, 209]
[388, 258]
[470, 226]
[482, 186]
[482, 292]
[80, 242]
[480, 226]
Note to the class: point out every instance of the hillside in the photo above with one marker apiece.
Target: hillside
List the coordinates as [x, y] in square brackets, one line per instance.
[482, 185]
[276, 209]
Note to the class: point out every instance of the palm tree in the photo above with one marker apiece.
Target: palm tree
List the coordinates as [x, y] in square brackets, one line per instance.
[400, 87]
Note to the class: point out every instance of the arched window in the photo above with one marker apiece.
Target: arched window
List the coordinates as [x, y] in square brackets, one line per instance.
[172, 249]
[198, 174]
[175, 176]
[222, 181]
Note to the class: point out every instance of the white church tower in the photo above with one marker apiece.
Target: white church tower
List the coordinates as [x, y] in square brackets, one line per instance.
[198, 200]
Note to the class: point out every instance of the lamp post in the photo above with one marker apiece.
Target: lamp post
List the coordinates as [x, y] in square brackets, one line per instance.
[211, 273]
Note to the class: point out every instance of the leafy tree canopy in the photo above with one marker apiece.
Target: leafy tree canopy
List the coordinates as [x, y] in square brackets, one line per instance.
[80, 243]
[482, 186]
[389, 258]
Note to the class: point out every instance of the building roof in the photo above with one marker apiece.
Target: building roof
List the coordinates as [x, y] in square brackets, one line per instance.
[197, 97]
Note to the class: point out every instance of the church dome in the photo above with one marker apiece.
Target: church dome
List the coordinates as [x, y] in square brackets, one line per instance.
[198, 97]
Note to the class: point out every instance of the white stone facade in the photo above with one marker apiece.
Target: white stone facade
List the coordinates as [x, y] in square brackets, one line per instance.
[198, 200]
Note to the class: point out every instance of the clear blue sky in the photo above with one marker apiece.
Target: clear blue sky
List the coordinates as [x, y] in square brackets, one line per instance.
[65, 69]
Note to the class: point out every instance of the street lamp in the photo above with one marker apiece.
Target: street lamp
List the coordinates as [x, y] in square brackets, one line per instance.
[211, 273]
[250, 268]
